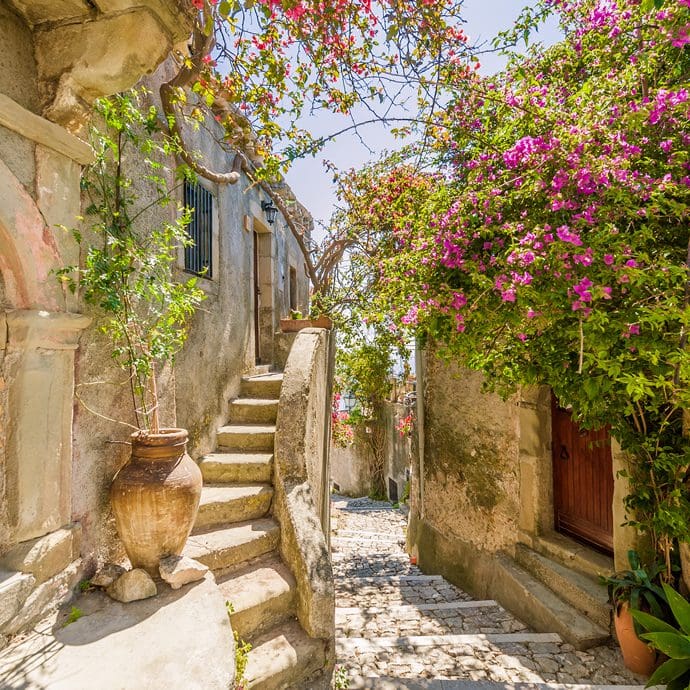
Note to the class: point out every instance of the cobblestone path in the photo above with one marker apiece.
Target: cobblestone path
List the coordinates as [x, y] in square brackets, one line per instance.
[398, 629]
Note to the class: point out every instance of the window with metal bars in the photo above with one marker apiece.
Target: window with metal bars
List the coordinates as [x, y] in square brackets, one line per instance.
[198, 257]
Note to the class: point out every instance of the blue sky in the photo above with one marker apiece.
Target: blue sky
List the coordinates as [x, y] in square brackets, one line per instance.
[310, 182]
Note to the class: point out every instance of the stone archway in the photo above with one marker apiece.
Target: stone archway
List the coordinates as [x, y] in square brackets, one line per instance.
[37, 372]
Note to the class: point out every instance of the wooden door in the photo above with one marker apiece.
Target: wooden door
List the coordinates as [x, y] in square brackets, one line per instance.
[582, 481]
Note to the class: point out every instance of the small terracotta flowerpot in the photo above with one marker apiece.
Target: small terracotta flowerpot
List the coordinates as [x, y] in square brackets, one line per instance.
[413, 560]
[155, 497]
[637, 656]
[294, 325]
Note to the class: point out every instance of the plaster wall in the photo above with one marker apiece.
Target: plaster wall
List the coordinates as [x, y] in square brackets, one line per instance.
[471, 488]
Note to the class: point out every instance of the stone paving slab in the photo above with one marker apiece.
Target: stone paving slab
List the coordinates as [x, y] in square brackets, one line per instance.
[402, 630]
[446, 684]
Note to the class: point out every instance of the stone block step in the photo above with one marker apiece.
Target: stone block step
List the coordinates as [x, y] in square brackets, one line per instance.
[15, 587]
[572, 555]
[365, 645]
[390, 683]
[540, 608]
[282, 658]
[342, 612]
[580, 591]
[237, 467]
[246, 437]
[262, 595]
[222, 504]
[253, 411]
[262, 386]
[231, 546]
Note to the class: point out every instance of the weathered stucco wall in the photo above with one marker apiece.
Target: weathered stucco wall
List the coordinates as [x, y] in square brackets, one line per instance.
[471, 482]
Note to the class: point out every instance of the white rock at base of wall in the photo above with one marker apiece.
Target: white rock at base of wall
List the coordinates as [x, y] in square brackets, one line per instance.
[14, 589]
[181, 570]
[132, 586]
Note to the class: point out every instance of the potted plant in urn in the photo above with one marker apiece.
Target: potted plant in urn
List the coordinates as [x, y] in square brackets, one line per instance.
[636, 589]
[126, 272]
[297, 322]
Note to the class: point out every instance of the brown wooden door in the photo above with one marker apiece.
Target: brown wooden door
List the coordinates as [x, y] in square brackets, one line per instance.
[582, 481]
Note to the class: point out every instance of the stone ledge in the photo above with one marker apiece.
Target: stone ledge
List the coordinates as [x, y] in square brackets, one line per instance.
[179, 639]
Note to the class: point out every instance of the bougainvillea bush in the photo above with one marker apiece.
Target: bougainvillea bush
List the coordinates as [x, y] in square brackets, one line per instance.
[556, 250]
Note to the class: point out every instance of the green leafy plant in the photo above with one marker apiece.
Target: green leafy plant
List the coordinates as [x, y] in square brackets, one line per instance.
[242, 650]
[129, 248]
[74, 615]
[673, 641]
[296, 314]
[341, 678]
[638, 587]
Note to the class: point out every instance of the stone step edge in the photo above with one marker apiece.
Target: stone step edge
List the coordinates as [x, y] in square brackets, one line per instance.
[340, 533]
[345, 644]
[405, 608]
[391, 683]
[358, 540]
[383, 579]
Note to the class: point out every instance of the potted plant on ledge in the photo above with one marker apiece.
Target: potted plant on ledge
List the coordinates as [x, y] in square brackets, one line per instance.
[296, 322]
[635, 589]
[126, 272]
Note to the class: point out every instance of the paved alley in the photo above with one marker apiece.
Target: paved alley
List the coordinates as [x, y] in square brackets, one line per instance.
[398, 629]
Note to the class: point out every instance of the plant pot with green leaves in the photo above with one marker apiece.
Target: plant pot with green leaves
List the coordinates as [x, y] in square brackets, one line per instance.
[671, 639]
[296, 322]
[635, 589]
[126, 274]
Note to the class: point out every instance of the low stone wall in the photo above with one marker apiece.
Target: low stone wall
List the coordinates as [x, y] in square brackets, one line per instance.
[301, 482]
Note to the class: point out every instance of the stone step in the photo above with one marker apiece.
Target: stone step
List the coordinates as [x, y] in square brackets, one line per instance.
[353, 582]
[365, 645]
[580, 591]
[342, 612]
[223, 548]
[15, 587]
[262, 595]
[246, 437]
[227, 503]
[283, 658]
[253, 411]
[237, 467]
[390, 683]
[262, 386]
[537, 606]
[572, 555]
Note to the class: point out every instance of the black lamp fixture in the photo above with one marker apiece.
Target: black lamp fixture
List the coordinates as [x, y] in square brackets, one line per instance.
[270, 210]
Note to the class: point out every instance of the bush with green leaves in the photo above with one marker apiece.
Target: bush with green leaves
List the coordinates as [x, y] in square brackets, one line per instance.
[130, 245]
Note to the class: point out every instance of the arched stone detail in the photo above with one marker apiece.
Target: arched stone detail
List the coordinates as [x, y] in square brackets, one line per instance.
[28, 251]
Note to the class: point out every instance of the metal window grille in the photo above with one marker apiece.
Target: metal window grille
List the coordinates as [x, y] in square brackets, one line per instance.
[198, 257]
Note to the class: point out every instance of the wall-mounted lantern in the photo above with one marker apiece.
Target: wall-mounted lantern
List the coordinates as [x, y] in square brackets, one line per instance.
[270, 210]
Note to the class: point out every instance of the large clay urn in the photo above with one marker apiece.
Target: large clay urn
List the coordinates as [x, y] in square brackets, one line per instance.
[155, 497]
[637, 655]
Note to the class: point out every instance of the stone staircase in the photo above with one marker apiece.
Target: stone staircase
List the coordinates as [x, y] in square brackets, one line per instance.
[553, 586]
[236, 536]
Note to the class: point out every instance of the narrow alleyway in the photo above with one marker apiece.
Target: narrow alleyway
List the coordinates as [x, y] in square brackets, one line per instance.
[398, 629]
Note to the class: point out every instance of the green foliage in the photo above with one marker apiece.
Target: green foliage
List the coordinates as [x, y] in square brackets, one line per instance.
[74, 615]
[638, 587]
[131, 246]
[341, 678]
[673, 641]
[242, 650]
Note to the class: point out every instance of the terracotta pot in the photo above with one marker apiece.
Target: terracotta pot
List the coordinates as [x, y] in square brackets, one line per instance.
[294, 325]
[155, 497]
[637, 656]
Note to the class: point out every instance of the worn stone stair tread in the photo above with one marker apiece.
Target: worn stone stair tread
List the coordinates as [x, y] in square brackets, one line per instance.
[573, 555]
[230, 546]
[262, 386]
[283, 657]
[580, 591]
[536, 605]
[346, 611]
[237, 467]
[246, 436]
[256, 410]
[345, 645]
[391, 683]
[227, 503]
[262, 594]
